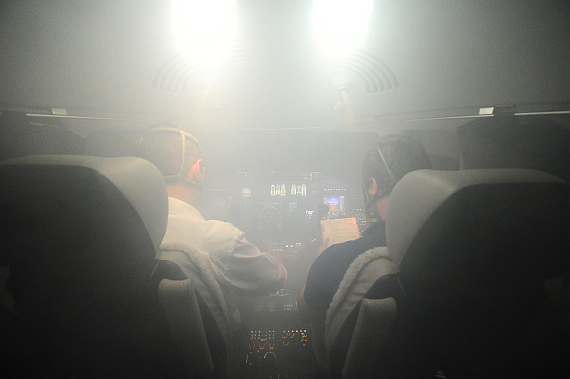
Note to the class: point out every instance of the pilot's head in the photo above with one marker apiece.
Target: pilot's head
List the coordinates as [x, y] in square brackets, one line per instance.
[392, 157]
[175, 152]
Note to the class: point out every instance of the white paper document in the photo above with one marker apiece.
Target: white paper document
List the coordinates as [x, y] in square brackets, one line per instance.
[340, 230]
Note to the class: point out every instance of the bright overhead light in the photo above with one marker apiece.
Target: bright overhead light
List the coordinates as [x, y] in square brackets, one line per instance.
[343, 18]
[340, 25]
[204, 29]
[206, 18]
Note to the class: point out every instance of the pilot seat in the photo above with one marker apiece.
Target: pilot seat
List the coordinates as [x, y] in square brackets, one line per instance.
[84, 294]
[473, 249]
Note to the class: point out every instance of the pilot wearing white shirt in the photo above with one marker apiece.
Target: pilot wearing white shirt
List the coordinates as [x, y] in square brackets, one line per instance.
[238, 264]
[214, 254]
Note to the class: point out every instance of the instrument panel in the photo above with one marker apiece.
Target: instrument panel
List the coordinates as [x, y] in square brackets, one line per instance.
[281, 204]
[280, 212]
[272, 341]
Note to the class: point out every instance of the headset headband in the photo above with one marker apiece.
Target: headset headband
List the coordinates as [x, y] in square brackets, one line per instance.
[388, 188]
[184, 136]
[391, 176]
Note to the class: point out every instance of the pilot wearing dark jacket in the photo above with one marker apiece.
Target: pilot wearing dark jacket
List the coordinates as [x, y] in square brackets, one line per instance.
[393, 157]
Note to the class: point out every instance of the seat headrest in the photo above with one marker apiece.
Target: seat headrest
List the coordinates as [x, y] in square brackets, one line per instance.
[83, 188]
[447, 210]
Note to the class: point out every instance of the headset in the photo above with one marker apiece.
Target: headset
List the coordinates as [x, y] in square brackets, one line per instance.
[185, 137]
[370, 200]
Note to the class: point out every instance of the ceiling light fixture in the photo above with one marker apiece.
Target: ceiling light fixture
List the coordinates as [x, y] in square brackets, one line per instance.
[205, 18]
[343, 18]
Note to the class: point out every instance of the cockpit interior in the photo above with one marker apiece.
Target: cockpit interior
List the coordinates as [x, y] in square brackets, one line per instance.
[285, 98]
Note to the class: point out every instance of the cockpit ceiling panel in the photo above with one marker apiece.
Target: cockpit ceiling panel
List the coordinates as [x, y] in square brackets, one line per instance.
[411, 56]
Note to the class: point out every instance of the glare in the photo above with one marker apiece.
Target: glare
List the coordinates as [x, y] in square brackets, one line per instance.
[206, 18]
[204, 29]
[343, 18]
[340, 25]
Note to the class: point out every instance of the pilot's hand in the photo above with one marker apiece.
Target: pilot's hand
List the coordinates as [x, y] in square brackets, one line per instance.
[323, 246]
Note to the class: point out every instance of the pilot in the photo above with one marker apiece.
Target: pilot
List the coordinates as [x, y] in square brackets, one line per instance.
[215, 254]
[392, 157]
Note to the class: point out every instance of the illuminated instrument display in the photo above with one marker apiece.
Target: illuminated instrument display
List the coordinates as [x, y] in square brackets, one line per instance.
[336, 205]
[289, 202]
[295, 189]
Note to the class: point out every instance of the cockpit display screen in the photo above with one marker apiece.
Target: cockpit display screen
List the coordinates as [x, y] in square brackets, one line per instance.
[336, 205]
[278, 189]
[289, 189]
[221, 205]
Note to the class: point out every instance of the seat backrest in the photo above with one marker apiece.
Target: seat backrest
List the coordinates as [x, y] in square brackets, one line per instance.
[79, 236]
[375, 318]
[473, 248]
[358, 279]
[178, 298]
